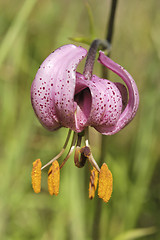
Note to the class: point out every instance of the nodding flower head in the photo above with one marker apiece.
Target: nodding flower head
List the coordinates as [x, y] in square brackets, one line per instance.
[63, 97]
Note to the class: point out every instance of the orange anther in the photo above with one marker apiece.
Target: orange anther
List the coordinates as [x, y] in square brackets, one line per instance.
[53, 178]
[105, 183]
[36, 176]
[93, 183]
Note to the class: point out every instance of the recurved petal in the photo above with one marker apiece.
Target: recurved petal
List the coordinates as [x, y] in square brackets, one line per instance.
[133, 101]
[124, 94]
[107, 105]
[41, 98]
[88, 98]
[65, 83]
[98, 102]
[82, 102]
[53, 88]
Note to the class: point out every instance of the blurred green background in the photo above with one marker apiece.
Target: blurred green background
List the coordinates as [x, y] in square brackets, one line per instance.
[29, 31]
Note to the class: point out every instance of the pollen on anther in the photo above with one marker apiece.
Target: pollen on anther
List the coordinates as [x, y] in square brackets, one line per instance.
[53, 178]
[105, 183]
[93, 183]
[36, 176]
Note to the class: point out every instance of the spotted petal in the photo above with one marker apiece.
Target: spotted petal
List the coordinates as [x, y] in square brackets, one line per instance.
[98, 101]
[133, 101]
[52, 92]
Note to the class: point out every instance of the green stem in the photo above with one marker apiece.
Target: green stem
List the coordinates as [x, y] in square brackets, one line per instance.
[95, 45]
[109, 35]
[111, 21]
[98, 208]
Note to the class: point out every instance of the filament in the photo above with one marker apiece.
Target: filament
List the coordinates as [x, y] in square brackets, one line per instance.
[61, 152]
[70, 150]
[93, 162]
[86, 137]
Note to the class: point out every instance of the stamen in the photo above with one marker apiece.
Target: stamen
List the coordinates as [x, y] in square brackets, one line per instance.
[105, 183]
[86, 136]
[80, 163]
[70, 150]
[76, 156]
[93, 162]
[79, 140]
[90, 157]
[53, 178]
[61, 152]
[36, 176]
[85, 151]
[93, 183]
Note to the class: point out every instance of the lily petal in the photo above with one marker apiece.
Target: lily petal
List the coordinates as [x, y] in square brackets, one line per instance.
[83, 102]
[124, 94]
[53, 88]
[108, 103]
[133, 101]
[102, 103]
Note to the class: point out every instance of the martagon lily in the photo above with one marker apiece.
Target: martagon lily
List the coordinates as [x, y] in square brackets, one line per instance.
[63, 97]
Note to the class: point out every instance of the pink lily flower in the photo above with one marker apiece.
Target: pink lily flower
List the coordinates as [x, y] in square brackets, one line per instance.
[63, 97]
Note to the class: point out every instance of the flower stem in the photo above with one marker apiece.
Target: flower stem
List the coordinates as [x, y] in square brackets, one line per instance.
[100, 44]
[111, 21]
[95, 45]
[98, 207]
[109, 34]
